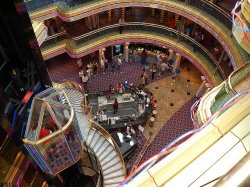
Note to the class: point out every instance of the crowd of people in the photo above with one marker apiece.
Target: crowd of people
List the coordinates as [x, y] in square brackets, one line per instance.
[160, 65]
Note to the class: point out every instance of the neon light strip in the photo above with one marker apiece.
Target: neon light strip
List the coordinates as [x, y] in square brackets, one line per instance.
[20, 178]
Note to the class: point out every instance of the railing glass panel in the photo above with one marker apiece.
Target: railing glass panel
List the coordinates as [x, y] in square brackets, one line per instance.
[139, 27]
[203, 5]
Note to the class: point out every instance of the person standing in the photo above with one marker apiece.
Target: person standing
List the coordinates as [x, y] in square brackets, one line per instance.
[142, 81]
[119, 63]
[144, 56]
[81, 74]
[197, 38]
[145, 74]
[102, 65]
[116, 104]
[121, 23]
[113, 65]
[79, 62]
[85, 79]
[95, 66]
[106, 65]
[154, 69]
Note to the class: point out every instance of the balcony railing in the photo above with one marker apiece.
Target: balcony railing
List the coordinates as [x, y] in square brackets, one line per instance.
[79, 41]
[169, 148]
[213, 10]
[229, 88]
[237, 82]
[204, 5]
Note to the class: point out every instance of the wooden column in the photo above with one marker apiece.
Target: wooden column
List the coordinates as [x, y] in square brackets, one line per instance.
[162, 16]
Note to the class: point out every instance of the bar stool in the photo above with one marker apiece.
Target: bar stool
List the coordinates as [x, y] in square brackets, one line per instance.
[154, 113]
[152, 121]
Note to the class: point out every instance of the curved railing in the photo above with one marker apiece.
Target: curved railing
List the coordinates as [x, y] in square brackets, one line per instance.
[92, 123]
[203, 5]
[141, 26]
[167, 149]
[226, 92]
[213, 10]
[239, 75]
[108, 137]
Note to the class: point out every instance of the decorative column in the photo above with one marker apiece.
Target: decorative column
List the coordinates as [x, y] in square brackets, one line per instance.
[123, 14]
[176, 19]
[109, 15]
[126, 51]
[179, 27]
[152, 12]
[171, 54]
[162, 16]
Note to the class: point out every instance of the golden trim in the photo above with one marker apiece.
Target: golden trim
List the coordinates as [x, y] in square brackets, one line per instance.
[14, 167]
[93, 124]
[115, 37]
[180, 6]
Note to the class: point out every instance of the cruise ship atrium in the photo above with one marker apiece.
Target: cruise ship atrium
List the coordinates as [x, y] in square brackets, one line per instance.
[130, 93]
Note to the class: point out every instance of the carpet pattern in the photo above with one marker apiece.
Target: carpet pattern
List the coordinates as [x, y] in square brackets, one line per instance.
[63, 67]
[178, 124]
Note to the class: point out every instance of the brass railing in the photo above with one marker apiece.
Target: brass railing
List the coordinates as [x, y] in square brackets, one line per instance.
[73, 5]
[131, 26]
[109, 138]
[92, 123]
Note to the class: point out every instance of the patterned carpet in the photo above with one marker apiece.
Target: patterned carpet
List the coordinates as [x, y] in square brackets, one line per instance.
[64, 67]
[177, 125]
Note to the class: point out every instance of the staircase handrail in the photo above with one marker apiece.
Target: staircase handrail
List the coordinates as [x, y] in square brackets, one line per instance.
[76, 86]
[172, 146]
[236, 72]
[92, 123]
[109, 138]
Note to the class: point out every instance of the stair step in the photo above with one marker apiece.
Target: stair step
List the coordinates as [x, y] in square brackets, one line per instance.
[111, 156]
[114, 175]
[113, 181]
[98, 142]
[117, 167]
[106, 154]
[95, 139]
[112, 162]
[99, 145]
[102, 148]
[90, 136]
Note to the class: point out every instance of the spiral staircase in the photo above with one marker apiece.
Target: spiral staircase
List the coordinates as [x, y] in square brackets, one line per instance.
[96, 138]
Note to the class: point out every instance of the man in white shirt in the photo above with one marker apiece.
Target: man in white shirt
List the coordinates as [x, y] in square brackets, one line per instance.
[164, 67]
[119, 63]
[79, 63]
[102, 62]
